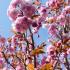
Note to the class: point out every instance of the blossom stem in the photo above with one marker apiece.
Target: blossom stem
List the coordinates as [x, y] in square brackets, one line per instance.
[8, 61]
[33, 46]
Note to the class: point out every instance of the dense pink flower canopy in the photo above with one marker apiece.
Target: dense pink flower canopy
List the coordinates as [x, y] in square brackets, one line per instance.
[20, 8]
[28, 17]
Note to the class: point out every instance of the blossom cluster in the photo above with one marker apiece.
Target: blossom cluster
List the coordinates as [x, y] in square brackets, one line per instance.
[20, 12]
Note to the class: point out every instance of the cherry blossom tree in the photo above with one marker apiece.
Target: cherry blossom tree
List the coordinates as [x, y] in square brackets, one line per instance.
[20, 52]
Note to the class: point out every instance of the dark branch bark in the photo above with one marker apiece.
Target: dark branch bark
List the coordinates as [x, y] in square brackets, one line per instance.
[8, 61]
[67, 63]
[33, 46]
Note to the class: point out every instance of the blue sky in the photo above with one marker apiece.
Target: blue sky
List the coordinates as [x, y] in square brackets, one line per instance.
[5, 23]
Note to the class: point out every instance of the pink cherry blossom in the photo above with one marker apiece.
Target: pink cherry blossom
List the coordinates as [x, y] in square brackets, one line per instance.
[68, 51]
[28, 9]
[1, 63]
[52, 4]
[58, 44]
[24, 48]
[60, 18]
[2, 40]
[50, 48]
[12, 14]
[66, 10]
[52, 30]
[16, 39]
[11, 49]
[43, 60]
[43, 11]
[21, 24]
[19, 67]
[41, 19]
[20, 7]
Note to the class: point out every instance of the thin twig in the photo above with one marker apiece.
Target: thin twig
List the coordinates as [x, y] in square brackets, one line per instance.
[8, 61]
